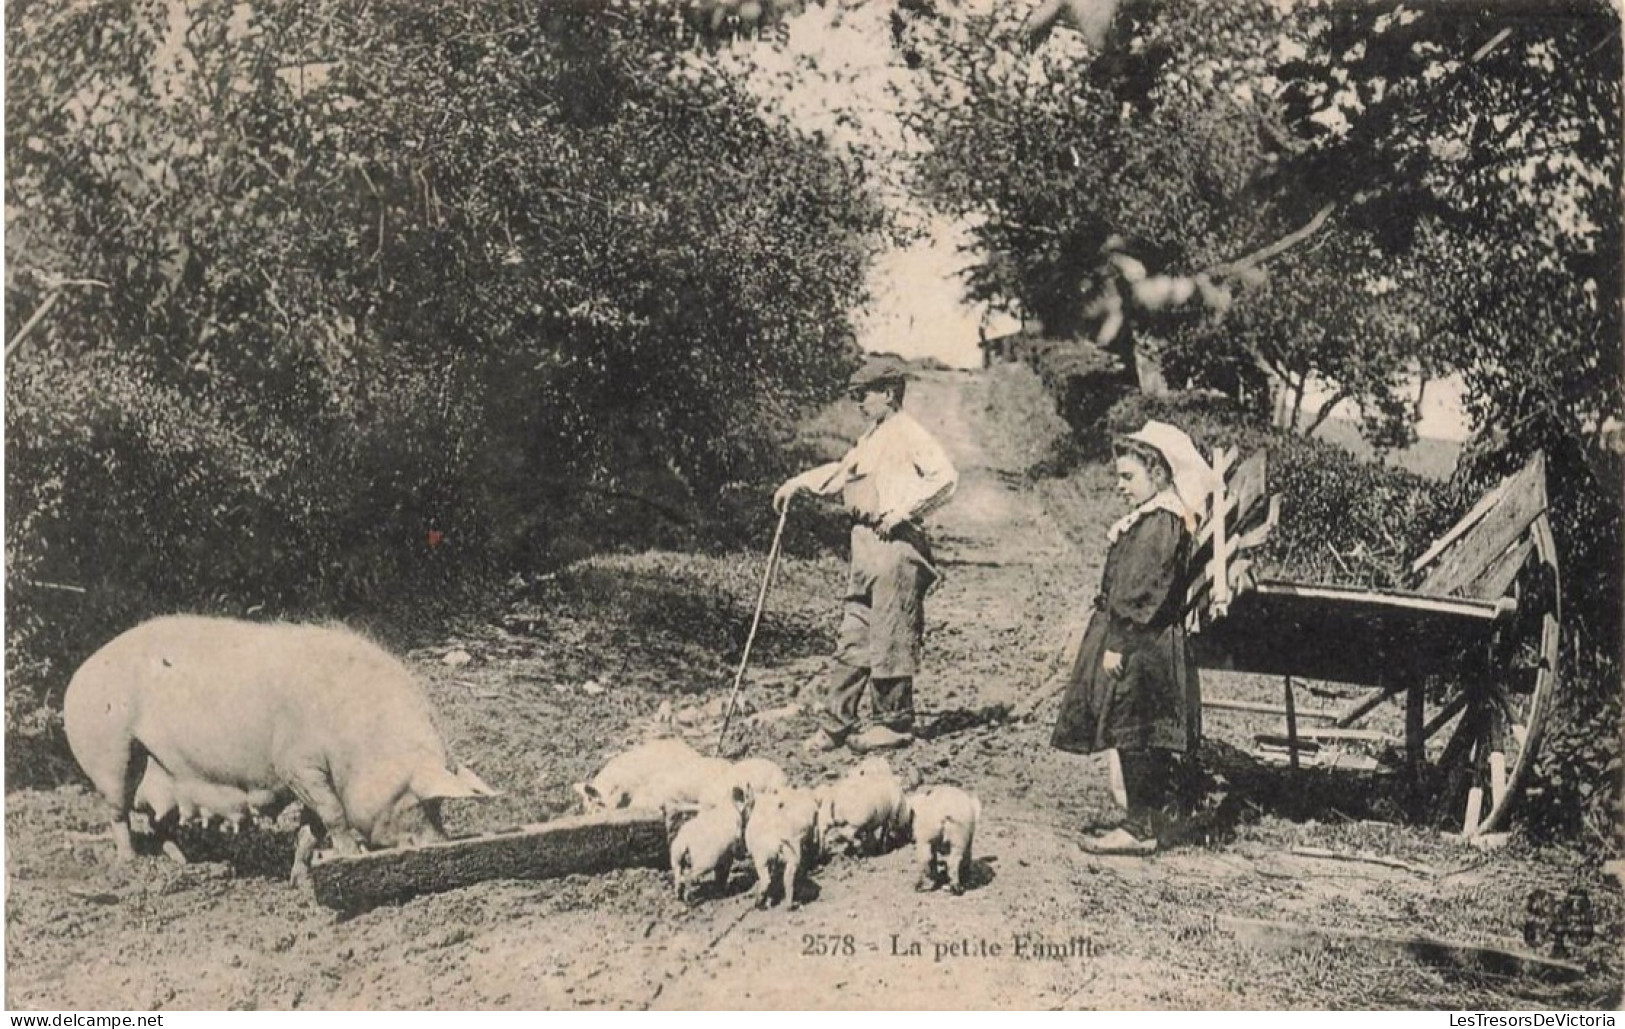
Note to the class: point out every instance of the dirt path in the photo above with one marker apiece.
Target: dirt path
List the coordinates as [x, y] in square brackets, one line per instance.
[1043, 926]
[995, 621]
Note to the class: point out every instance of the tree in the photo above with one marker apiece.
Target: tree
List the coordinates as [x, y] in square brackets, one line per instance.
[1112, 192]
[1480, 146]
[1412, 190]
[1314, 143]
[385, 296]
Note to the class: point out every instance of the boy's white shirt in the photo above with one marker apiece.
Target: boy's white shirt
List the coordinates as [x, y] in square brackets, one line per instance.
[911, 472]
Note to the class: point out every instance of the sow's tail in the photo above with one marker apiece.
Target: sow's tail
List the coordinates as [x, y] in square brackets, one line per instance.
[436, 782]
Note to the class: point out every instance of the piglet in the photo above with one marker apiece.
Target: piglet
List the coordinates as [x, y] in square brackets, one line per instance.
[863, 808]
[708, 843]
[759, 775]
[659, 773]
[780, 838]
[169, 804]
[943, 822]
[755, 776]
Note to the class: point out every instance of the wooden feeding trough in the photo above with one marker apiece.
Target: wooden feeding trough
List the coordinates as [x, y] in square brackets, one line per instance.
[600, 842]
[1472, 650]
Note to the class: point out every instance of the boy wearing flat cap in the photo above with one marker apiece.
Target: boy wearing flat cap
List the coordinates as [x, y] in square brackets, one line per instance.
[894, 475]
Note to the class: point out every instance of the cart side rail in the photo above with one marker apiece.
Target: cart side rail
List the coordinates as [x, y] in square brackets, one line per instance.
[1481, 554]
[1239, 518]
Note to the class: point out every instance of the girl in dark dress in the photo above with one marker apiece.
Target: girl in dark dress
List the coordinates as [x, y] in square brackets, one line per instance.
[1133, 687]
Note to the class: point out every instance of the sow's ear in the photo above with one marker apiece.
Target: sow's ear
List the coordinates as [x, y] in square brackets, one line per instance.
[435, 782]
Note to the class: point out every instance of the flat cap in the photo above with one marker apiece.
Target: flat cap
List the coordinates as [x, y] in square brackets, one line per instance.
[877, 372]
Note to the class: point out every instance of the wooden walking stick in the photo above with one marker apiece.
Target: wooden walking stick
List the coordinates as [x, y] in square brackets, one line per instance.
[1059, 677]
[755, 622]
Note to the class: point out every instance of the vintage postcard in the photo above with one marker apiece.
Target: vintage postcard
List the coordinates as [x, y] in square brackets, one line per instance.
[813, 504]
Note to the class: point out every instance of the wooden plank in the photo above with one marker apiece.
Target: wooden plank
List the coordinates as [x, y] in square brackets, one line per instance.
[1472, 555]
[1415, 739]
[1343, 634]
[1239, 578]
[1218, 580]
[1330, 759]
[1265, 709]
[1242, 516]
[1342, 760]
[1456, 531]
[1224, 458]
[1498, 777]
[1198, 572]
[627, 838]
[1365, 706]
[1475, 813]
[1257, 535]
[1240, 502]
[1249, 485]
[1501, 959]
[1358, 596]
[1446, 713]
[1338, 734]
[1503, 571]
[1285, 744]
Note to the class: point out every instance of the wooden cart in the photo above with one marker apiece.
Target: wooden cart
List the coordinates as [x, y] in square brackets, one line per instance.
[1471, 651]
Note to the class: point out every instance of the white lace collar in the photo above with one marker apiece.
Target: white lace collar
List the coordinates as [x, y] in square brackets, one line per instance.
[1167, 500]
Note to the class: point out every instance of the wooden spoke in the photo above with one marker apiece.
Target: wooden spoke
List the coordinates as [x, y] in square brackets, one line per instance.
[1366, 706]
[1448, 712]
[1454, 780]
[1502, 702]
[1460, 747]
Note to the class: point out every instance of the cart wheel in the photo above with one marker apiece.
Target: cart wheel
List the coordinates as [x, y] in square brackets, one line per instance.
[1491, 749]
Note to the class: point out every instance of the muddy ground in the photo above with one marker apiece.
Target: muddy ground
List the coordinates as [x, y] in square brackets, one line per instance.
[580, 666]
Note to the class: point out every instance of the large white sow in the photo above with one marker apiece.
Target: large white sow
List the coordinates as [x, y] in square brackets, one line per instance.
[314, 713]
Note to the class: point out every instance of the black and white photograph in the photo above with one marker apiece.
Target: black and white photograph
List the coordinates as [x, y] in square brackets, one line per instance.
[806, 505]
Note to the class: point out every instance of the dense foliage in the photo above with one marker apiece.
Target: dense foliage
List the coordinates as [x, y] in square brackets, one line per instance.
[348, 303]
[1363, 193]
[1343, 520]
[1363, 196]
